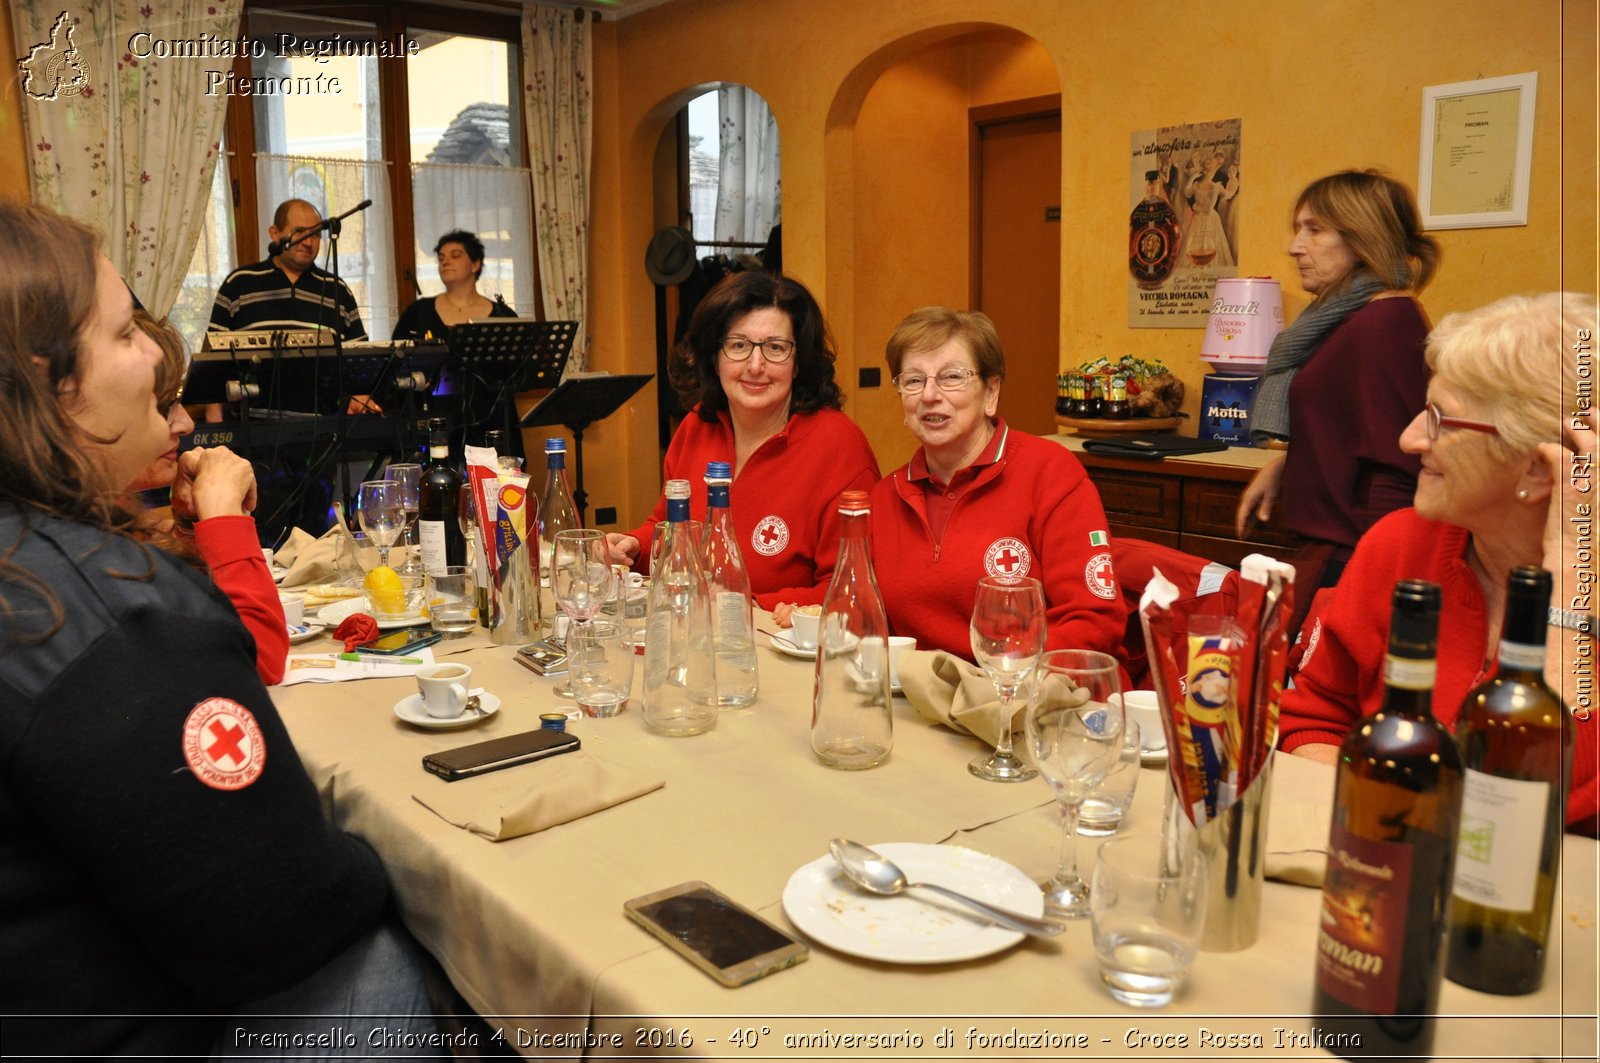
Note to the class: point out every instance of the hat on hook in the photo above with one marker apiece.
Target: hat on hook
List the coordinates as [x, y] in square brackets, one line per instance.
[670, 257]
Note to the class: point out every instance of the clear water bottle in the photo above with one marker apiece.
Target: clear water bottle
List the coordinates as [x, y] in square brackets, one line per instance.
[556, 511]
[734, 633]
[852, 726]
[680, 674]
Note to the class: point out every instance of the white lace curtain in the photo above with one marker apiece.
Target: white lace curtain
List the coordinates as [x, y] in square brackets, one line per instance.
[490, 201]
[123, 143]
[557, 62]
[366, 240]
[749, 180]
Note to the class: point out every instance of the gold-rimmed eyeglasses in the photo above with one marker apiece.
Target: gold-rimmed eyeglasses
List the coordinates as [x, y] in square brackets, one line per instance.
[947, 379]
[1436, 420]
[738, 348]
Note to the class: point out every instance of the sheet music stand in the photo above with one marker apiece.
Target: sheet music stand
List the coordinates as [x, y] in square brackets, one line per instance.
[579, 403]
[508, 354]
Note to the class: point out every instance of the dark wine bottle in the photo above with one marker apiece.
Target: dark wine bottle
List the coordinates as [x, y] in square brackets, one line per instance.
[1391, 846]
[1516, 742]
[438, 504]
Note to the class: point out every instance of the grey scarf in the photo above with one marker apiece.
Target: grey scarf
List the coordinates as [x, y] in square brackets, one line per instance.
[1294, 346]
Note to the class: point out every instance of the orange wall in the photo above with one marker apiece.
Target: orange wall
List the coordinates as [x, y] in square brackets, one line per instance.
[1317, 89]
[13, 141]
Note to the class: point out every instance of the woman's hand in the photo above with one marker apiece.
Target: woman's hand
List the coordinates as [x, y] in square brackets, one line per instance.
[213, 482]
[1321, 752]
[1259, 496]
[783, 614]
[623, 549]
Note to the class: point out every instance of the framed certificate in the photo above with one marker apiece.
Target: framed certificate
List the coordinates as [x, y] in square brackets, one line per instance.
[1477, 152]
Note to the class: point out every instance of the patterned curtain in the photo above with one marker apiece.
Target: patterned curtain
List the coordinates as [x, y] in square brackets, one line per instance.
[559, 70]
[119, 139]
[749, 182]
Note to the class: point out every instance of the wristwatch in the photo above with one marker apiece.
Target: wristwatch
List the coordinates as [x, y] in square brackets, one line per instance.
[1572, 620]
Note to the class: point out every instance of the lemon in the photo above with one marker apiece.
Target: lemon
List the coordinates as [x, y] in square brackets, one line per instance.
[385, 592]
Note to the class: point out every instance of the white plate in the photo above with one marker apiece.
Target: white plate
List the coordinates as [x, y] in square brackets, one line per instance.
[307, 631]
[783, 645]
[278, 572]
[916, 926]
[855, 677]
[335, 614]
[1153, 756]
[411, 711]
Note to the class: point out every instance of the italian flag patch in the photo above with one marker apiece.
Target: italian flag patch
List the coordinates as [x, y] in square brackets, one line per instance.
[1098, 538]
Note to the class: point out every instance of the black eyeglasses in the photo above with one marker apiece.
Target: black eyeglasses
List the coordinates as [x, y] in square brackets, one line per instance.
[1437, 420]
[737, 349]
[947, 379]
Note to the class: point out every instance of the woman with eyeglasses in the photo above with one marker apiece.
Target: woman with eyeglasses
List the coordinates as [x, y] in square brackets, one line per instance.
[1505, 481]
[979, 498]
[1344, 379]
[755, 372]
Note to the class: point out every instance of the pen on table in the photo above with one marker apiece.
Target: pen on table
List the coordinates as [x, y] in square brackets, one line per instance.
[358, 656]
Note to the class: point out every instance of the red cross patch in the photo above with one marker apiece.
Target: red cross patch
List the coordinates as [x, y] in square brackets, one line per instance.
[223, 744]
[1098, 575]
[771, 536]
[1007, 559]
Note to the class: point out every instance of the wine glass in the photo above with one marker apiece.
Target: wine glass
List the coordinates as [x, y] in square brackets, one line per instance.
[580, 579]
[1073, 728]
[382, 515]
[409, 477]
[1007, 639]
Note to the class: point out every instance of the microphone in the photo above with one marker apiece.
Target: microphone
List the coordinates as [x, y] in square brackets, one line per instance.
[278, 247]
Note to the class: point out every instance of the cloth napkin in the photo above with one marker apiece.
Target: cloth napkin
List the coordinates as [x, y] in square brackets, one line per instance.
[957, 693]
[308, 560]
[528, 798]
[1297, 824]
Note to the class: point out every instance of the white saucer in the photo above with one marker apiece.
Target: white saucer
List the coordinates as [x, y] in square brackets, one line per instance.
[411, 711]
[335, 614]
[307, 631]
[1153, 756]
[785, 646]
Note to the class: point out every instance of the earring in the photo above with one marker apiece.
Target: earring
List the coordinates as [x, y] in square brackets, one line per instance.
[1522, 493]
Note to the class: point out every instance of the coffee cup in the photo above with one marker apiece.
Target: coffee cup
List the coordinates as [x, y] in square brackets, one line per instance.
[294, 608]
[898, 644]
[444, 689]
[1144, 708]
[266, 555]
[805, 619]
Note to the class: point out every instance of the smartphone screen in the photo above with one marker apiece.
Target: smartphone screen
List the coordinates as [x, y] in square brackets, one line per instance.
[729, 942]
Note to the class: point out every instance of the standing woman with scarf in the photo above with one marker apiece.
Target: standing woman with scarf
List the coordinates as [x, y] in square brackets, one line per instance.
[1347, 377]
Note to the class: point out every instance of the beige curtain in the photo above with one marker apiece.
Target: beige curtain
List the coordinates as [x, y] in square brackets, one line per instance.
[118, 138]
[749, 184]
[558, 71]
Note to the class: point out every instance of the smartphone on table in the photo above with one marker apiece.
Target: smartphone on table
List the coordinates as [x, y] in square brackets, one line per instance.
[724, 939]
[400, 643]
[463, 762]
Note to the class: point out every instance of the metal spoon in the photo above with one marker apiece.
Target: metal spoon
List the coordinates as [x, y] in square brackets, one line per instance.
[876, 873]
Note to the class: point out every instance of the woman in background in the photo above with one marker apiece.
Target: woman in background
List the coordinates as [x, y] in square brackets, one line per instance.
[460, 256]
[1346, 377]
[755, 371]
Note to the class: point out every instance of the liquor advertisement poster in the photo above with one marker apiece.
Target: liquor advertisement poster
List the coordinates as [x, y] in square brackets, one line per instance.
[1182, 229]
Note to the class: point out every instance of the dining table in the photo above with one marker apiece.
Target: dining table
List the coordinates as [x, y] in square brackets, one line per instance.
[532, 933]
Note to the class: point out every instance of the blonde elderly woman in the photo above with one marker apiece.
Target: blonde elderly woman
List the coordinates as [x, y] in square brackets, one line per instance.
[1495, 440]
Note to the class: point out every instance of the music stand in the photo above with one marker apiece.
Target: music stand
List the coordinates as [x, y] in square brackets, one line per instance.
[578, 403]
[509, 354]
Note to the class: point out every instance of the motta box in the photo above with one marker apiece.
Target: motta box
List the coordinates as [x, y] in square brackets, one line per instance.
[1225, 402]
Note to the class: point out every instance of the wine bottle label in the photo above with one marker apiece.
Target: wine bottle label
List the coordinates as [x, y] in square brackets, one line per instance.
[1502, 830]
[1363, 921]
[430, 541]
[1408, 673]
[1521, 657]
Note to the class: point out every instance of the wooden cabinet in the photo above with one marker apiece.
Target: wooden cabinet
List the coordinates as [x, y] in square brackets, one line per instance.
[1185, 503]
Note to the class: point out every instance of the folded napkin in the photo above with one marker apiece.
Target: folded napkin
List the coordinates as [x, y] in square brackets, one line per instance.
[308, 560]
[526, 800]
[1297, 826]
[957, 693]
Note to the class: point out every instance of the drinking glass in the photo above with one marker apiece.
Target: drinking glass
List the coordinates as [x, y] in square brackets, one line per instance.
[409, 477]
[452, 601]
[1007, 640]
[1148, 912]
[1073, 726]
[580, 579]
[1107, 803]
[600, 661]
[382, 515]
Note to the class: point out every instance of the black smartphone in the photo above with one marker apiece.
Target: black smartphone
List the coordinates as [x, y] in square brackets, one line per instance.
[724, 939]
[398, 643]
[466, 761]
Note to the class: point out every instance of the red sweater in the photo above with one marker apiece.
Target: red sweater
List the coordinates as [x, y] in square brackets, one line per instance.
[229, 548]
[784, 501]
[1033, 512]
[1347, 408]
[1341, 678]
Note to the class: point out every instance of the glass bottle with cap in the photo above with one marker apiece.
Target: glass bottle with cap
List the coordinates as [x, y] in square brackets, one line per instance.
[556, 511]
[733, 615]
[438, 505]
[680, 674]
[852, 726]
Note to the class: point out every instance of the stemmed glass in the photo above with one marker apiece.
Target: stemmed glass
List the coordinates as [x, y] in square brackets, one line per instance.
[409, 477]
[581, 582]
[382, 515]
[1073, 726]
[1007, 640]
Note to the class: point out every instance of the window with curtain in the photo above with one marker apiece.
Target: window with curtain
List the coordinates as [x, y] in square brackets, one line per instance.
[211, 263]
[735, 177]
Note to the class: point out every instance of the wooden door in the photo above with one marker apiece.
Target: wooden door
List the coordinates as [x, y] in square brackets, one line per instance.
[1017, 252]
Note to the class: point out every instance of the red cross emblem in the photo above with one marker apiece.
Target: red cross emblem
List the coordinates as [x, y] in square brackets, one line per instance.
[770, 537]
[223, 744]
[1099, 577]
[1007, 559]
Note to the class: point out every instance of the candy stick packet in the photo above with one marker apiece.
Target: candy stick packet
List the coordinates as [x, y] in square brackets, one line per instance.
[1165, 622]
